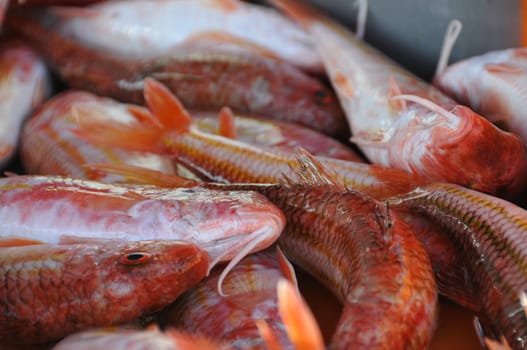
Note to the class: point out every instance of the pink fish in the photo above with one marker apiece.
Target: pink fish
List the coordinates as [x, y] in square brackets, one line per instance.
[227, 224]
[146, 29]
[494, 84]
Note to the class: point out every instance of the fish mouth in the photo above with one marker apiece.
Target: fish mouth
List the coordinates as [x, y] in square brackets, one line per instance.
[234, 248]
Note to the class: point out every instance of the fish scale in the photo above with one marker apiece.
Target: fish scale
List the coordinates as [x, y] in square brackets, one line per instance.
[490, 233]
[367, 256]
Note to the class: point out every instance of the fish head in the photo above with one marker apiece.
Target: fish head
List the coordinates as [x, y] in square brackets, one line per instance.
[475, 143]
[151, 274]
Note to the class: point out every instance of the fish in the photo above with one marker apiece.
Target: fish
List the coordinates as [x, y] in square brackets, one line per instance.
[49, 147]
[490, 234]
[362, 251]
[220, 159]
[152, 338]
[50, 209]
[135, 30]
[24, 84]
[369, 258]
[50, 291]
[400, 121]
[494, 84]
[204, 78]
[265, 132]
[249, 295]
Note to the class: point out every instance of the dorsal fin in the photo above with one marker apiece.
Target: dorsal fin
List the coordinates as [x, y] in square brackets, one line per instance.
[311, 172]
[226, 123]
[165, 106]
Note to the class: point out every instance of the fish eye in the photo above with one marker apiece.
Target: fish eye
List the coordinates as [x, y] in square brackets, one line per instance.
[320, 93]
[135, 258]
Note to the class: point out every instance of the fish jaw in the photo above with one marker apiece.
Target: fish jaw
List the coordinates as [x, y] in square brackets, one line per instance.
[267, 221]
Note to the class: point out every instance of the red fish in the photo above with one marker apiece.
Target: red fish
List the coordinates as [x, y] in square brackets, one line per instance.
[227, 225]
[368, 257]
[250, 296]
[50, 291]
[220, 159]
[204, 78]
[399, 121]
[24, 84]
[50, 147]
[494, 84]
[490, 233]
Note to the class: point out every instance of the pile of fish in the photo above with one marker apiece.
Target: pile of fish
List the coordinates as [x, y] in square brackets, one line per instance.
[170, 163]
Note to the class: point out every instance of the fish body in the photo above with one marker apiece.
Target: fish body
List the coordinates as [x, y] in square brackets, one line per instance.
[50, 291]
[399, 121]
[250, 295]
[221, 159]
[46, 209]
[49, 145]
[135, 339]
[135, 30]
[368, 257]
[264, 132]
[24, 84]
[490, 233]
[494, 84]
[371, 260]
[204, 78]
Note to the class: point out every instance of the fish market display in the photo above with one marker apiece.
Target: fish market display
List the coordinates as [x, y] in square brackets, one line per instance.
[24, 84]
[50, 291]
[221, 159]
[399, 121]
[494, 84]
[152, 179]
